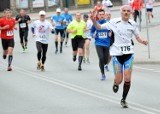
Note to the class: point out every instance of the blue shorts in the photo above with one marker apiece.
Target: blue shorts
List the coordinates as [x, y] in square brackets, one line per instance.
[122, 62]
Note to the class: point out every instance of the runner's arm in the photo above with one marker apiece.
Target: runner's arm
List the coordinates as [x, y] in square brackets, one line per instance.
[141, 40]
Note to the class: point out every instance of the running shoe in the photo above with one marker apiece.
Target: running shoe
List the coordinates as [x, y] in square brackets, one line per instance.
[56, 51]
[79, 68]
[4, 56]
[115, 88]
[42, 68]
[23, 50]
[103, 77]
[38, 66]
[124, 104]
[26, 49]
[106, 67]
[88, 61]
[74, 58]
[9, 69]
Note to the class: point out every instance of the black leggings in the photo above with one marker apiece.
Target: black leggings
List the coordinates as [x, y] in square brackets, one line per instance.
[137, 14]
[103, 53]
[23, 36]
[42, 50]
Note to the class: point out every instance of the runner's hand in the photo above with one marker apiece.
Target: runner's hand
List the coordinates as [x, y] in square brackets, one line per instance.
[19, 19]
[15, 28]
[33, 35]
[110, 34]
[6, 27]
[74, 31]
[92, 15]
[145, 42]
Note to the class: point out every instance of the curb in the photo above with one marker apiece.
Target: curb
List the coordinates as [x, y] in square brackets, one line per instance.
[147, 61]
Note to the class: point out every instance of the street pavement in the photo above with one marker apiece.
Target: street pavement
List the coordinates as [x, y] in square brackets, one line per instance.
[61, 89]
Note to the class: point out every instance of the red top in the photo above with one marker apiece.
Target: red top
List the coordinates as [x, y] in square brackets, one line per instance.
[96, 8]
[7, 33]
[136, 4]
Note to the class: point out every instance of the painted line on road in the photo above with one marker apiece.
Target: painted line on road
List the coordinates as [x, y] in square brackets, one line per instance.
[82, 90]
[148, 69]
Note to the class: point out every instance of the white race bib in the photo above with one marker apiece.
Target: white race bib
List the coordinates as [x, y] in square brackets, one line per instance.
[102, 34]
[126, 49]
[42, 36]
[23, 25]
[10, 33]
[58, 24]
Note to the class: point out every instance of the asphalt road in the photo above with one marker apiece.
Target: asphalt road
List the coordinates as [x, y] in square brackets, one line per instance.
[61, 89]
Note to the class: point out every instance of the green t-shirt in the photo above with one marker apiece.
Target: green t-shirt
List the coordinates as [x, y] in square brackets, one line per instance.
[79, 26]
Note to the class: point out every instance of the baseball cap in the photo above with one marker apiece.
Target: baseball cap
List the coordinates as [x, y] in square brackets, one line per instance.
[42, 13]
[58, 10]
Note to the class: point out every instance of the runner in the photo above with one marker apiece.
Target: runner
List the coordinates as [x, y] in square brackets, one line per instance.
[107, 4]
[137, 5]
[76, 28]
[23, 21]
[58, 21]
[122, 48]
[87, 38]
[7, 25]
[40, 31]
[67, 19]
[108, 15]
[149, 6]
[102, 42]
[99, 6]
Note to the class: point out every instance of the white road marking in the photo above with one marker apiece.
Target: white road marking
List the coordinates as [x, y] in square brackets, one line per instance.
[137, 107]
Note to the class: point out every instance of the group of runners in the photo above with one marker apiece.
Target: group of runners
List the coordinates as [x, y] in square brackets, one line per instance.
[113, 38]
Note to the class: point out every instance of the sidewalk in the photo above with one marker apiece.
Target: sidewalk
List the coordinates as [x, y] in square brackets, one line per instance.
[34, 16]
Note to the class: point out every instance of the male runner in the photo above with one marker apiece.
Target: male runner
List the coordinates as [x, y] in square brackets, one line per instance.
[58, 21]
[7, 25]
[98, 6]
[76, 28]
[67, 20]
[102, 42]
[23, 21]
[122, 48]
[87, 38]
[40, 31]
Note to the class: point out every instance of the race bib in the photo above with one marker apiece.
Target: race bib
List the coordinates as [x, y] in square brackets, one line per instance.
[42, 36]
[126, 49]
[10, 33]
[58, 24]
[23, 25]
[102, 34]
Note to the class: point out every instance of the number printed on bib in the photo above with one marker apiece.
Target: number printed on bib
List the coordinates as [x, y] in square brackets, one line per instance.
[58, 24]
[102, 34]
[23, 25]
[10, 33]
[126, 49]
[42, 36]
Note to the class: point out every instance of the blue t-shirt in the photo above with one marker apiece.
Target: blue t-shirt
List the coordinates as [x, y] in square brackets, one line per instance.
[102, 38]
[57, 20]
[67, 19]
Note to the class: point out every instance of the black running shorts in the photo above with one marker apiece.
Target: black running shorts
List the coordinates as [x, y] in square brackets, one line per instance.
[77, 42]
